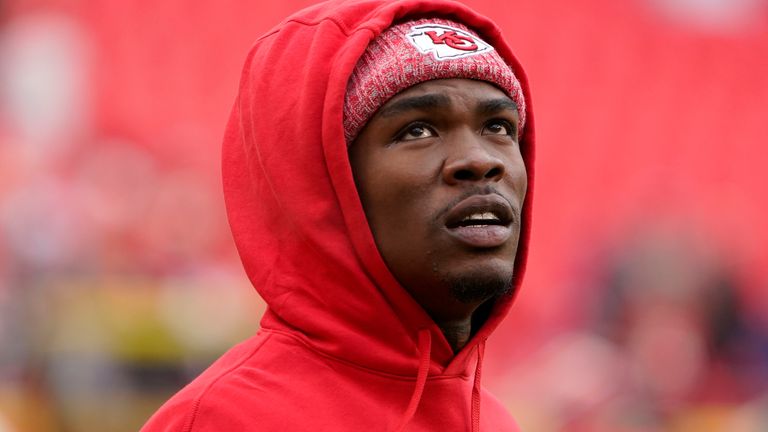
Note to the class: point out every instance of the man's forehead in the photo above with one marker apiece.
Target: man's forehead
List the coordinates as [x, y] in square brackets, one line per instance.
[430, 96]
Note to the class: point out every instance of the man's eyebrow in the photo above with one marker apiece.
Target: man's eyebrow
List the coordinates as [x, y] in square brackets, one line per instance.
[420, 103]
[493, 106]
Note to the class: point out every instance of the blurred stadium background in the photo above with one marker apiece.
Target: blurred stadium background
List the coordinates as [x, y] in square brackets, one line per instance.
[645, 307]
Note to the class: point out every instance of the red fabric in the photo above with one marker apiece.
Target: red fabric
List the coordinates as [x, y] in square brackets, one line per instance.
[342, 345]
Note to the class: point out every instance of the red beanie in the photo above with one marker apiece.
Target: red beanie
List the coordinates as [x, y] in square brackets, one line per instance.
[416, 51]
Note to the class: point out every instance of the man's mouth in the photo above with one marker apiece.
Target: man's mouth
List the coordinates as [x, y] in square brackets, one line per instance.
[481, 221]
[481, 218]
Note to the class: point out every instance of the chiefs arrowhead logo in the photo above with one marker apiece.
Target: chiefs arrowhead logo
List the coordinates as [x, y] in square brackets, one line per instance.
[445, 42]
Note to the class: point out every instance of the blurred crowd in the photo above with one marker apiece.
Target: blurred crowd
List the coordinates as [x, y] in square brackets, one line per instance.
[663, 341]
[119, 282]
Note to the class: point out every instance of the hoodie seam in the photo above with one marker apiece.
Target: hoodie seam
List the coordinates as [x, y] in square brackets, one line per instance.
[347, 32]
[357, 366]
[313, 23]
[196, 404]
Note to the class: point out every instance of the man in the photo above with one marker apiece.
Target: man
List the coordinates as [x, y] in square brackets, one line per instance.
[377, 167]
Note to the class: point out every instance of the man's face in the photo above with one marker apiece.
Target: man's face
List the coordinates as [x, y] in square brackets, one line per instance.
[442, 182]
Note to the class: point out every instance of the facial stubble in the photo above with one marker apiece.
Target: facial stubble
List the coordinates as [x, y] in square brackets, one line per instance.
[477, 287]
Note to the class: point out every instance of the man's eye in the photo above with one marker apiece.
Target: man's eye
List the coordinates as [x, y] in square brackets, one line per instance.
[414, 132]
[499, 127]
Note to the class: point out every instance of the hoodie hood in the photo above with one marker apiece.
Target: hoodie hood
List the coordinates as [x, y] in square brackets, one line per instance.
[292, 205]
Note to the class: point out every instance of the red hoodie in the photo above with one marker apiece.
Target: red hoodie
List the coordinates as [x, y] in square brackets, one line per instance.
[342, 346]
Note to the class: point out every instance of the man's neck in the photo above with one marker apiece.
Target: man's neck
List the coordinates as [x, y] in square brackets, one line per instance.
[457, 332]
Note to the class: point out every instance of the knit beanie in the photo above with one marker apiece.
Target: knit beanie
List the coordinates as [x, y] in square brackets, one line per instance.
[412, 52]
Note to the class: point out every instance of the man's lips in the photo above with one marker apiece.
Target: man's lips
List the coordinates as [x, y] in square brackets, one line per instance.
[481, 221]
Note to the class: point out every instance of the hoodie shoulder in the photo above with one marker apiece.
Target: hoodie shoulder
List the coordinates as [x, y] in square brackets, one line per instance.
[495, 415]
[205, 404]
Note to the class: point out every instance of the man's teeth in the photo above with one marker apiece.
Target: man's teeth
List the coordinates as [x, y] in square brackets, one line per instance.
[481, 216]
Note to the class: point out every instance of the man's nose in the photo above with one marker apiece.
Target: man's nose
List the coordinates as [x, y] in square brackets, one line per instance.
[470, 160]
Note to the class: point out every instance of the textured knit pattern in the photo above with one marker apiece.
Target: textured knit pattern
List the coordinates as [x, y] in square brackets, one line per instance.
[392, 63]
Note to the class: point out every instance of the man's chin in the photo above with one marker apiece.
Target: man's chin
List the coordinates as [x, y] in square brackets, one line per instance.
[477, 286]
